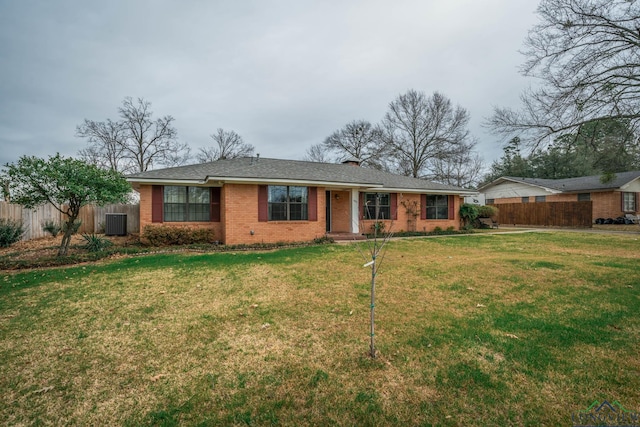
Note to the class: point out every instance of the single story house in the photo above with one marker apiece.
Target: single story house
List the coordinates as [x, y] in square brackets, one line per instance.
[260, 200]
[611, 199]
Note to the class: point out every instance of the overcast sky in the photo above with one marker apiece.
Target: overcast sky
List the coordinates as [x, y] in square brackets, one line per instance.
[282, 74]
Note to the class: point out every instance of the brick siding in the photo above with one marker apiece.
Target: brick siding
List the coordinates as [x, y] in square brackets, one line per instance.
[239, 217]
[406, 221]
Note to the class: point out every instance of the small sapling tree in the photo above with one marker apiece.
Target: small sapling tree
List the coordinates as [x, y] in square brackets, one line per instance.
[373, 257]
[67, 184]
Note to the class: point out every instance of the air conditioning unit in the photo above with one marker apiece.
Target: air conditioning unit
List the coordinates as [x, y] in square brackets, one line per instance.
[115, 224]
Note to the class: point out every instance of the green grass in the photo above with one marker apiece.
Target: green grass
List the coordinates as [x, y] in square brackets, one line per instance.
[471, 330]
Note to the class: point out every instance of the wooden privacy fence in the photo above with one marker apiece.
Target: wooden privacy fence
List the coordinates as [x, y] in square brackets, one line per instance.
[92, 217]
[548, 214]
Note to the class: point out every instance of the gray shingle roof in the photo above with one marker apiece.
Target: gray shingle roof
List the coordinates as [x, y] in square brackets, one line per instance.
[264, 169]
[571, 185]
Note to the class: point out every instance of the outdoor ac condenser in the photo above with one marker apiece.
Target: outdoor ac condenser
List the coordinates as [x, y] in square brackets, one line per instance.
[115, 224]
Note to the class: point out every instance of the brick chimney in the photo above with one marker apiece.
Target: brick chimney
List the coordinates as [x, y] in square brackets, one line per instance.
[353, 161]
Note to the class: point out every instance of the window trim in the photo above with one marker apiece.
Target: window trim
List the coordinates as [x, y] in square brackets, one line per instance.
[187, 204]
[436, 206]
[366, 210]
[583, 197]
[288, 203]
[629, 205]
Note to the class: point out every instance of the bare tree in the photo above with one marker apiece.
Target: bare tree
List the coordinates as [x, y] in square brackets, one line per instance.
[149, 141]
[136, 142]
[228, 145]
[585, 53]
[106, 147]
[462, 168]
[317, 153]
[359, 139]
[419, 129]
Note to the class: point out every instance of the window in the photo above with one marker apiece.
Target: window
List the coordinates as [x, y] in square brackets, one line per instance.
[382, 200]
[584, 197]
[288, 203]
[628, 202]
[186, 204]
[525, 200]
[438, 207]
[491, 201]
[541, 199]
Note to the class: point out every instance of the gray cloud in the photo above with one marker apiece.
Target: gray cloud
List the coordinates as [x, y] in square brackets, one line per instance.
[283, 74]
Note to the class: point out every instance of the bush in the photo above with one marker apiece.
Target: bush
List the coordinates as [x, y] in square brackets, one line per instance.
[469, 213]
[378, 227]
[95, 243]
[52, 227]
[10, 232]
[323, 240]
[487, 211]
[164, 235]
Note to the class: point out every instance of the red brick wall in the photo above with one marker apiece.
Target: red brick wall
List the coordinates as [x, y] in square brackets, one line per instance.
[145, 216]
[562, 198]
[145, 206]
[607, 205]
[507, 200]
[341, 212]
[403, 222]
[241, 219]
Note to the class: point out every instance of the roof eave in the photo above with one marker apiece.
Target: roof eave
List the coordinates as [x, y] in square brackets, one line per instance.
[364, 186]
[289, 181]
[424, 190]
[625, 186]
[219, 180]
[518, 181]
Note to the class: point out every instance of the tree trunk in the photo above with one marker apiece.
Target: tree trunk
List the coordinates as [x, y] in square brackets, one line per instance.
[66, 238]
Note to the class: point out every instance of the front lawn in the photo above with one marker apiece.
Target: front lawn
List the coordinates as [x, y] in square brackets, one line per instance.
[523, 329]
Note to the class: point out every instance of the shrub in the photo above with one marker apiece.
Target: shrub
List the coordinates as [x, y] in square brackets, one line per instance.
[469, 213]
[10, 232]
[52, 227]
[95, 243]
[378, 227]
[323, 240]
[487, 211]
[164, 235]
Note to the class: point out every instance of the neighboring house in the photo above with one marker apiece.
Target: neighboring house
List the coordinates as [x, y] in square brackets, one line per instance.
[476, 199]
[609, 200]
[253, 200]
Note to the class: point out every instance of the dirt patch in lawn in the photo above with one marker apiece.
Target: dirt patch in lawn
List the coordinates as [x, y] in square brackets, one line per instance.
[47, 248]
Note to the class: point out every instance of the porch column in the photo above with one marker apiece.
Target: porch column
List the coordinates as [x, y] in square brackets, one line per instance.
[355, 211]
